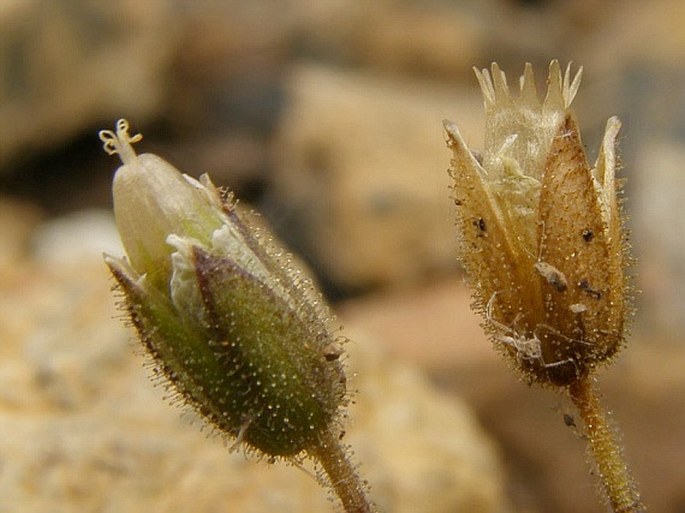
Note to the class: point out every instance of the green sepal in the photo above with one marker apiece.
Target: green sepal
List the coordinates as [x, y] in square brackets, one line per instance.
[286, 392]
[182, 350]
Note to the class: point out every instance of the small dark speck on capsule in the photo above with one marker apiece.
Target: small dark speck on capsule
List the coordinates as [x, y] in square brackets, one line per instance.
[478, 156]
[585, 285]
[569, 420]
[480, 224]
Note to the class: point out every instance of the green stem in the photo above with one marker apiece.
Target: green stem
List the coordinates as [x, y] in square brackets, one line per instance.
[342, 475]
[616, 480]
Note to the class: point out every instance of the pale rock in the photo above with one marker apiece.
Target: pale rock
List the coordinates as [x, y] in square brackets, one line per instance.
[83, 429]
[70, 239]
[420, 451]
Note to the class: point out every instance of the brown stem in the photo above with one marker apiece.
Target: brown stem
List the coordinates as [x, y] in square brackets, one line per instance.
[616, 480]
[342, 475]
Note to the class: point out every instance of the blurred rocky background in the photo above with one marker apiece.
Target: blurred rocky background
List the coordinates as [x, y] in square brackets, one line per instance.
[326, 117]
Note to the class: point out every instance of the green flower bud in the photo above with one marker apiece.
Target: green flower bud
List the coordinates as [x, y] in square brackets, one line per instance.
[238, 333]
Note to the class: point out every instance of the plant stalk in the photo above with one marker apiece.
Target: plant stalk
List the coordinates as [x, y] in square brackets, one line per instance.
[342, 475]
[616, 480]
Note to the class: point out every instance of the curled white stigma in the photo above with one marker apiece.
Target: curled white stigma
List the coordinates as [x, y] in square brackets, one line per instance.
[120, 142]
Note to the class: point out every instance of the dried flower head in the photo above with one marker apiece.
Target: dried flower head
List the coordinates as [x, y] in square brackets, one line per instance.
[235, 330]
[540, 230]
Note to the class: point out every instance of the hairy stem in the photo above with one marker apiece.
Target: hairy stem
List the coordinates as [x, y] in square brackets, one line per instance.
[617, 482]
[342, 475]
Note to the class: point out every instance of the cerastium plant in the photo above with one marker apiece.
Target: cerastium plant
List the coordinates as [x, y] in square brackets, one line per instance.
[237, 332]
[241, 336]
[542, 242]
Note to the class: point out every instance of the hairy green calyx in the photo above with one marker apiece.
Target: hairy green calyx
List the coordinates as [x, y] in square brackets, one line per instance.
[233, 328]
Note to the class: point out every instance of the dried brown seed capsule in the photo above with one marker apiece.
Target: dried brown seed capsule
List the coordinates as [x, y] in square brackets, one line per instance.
[549, 277]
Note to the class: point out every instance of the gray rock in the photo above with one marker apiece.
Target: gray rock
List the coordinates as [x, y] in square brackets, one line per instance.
[659, 210]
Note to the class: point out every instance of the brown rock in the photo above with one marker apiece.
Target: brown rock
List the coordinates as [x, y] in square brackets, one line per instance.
[66, 65]
[17, 221]
[431, 326]
[544, 455]
[361, 176]
[443, 41]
